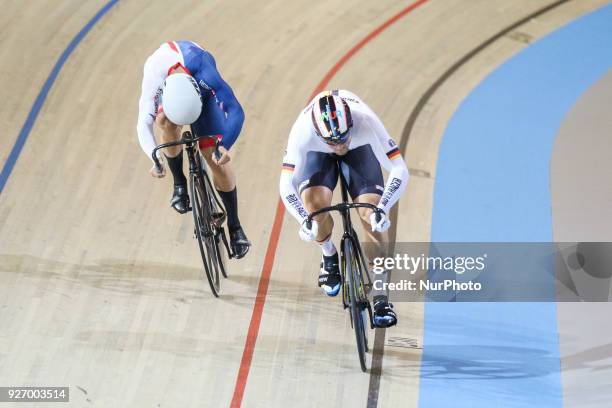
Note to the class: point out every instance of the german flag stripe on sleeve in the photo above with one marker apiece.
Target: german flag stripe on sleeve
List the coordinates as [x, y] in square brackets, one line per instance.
[288, 167]
[394, 153]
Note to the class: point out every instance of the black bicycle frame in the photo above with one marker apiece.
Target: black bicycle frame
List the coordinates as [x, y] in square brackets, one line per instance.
[346, 215]
[188, 140]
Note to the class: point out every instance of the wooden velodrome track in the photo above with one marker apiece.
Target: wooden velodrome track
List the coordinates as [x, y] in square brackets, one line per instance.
[100, 288]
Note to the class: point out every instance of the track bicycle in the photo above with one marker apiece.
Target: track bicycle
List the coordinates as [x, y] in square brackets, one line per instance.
[353, 268]
[207, 209]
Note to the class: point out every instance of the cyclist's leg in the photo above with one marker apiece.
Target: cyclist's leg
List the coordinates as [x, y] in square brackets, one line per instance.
[317, 181]
[315, 198]
[377, 241]
[210, 123]
[377, 245]
[170, 132]
[224, 180]
[365, 181]
[223, 176]
[316, 184]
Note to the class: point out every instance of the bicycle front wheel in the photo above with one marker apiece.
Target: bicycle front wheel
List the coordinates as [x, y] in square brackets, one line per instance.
[356, 299]
[204, 235]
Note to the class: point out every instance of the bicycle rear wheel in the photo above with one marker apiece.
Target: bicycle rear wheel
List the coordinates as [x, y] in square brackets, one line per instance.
[356, 299]
[204, 234]
[217, 218]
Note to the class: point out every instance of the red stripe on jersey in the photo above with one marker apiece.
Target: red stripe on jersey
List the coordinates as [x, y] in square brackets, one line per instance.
[173, 46]
[177, 65]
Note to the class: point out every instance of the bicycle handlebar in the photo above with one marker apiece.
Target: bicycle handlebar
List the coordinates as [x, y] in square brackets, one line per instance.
[186, 138]
[344, 207]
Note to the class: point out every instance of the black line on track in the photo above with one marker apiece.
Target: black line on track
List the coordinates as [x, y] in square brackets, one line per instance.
[379, 335]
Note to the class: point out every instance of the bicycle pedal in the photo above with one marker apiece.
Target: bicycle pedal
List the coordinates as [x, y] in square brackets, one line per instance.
[218, 216]
[363, 305]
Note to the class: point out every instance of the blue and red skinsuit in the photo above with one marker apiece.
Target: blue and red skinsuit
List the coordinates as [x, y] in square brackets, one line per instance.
[222, 114]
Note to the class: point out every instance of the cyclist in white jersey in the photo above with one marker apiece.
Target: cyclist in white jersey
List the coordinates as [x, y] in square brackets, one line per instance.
[337, 126]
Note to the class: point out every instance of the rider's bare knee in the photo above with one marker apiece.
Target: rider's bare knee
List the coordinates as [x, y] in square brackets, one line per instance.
[316, 198]
[364, 214]
[162, 121]
[207, 152]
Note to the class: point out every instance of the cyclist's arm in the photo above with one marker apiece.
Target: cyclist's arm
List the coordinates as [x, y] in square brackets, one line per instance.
[393, 162]
[289, 194]
[223, 92]
[146, 108]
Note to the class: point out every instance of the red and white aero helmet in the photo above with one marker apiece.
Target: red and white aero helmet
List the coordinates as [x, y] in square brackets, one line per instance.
[331, 118]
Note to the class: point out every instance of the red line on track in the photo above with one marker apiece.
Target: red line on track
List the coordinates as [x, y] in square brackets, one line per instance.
[334, 70]
[262, 290]
[260, 300]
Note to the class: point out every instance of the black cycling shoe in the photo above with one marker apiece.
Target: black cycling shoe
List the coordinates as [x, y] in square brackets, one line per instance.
[329, 277]
[180, 199]
[239, 243]
[384, 316]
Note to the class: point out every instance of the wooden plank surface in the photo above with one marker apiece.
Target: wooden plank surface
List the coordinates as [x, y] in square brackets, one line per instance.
[100, 286]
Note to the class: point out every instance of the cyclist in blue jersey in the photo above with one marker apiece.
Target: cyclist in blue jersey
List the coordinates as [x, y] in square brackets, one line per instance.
[182, 86]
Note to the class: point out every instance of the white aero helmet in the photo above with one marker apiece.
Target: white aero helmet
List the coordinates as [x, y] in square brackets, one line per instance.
[181, 99]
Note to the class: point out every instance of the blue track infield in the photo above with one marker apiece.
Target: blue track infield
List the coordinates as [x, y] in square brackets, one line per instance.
[492, 185]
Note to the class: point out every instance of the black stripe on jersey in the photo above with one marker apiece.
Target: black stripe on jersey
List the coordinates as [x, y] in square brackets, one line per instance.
[390, 152]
